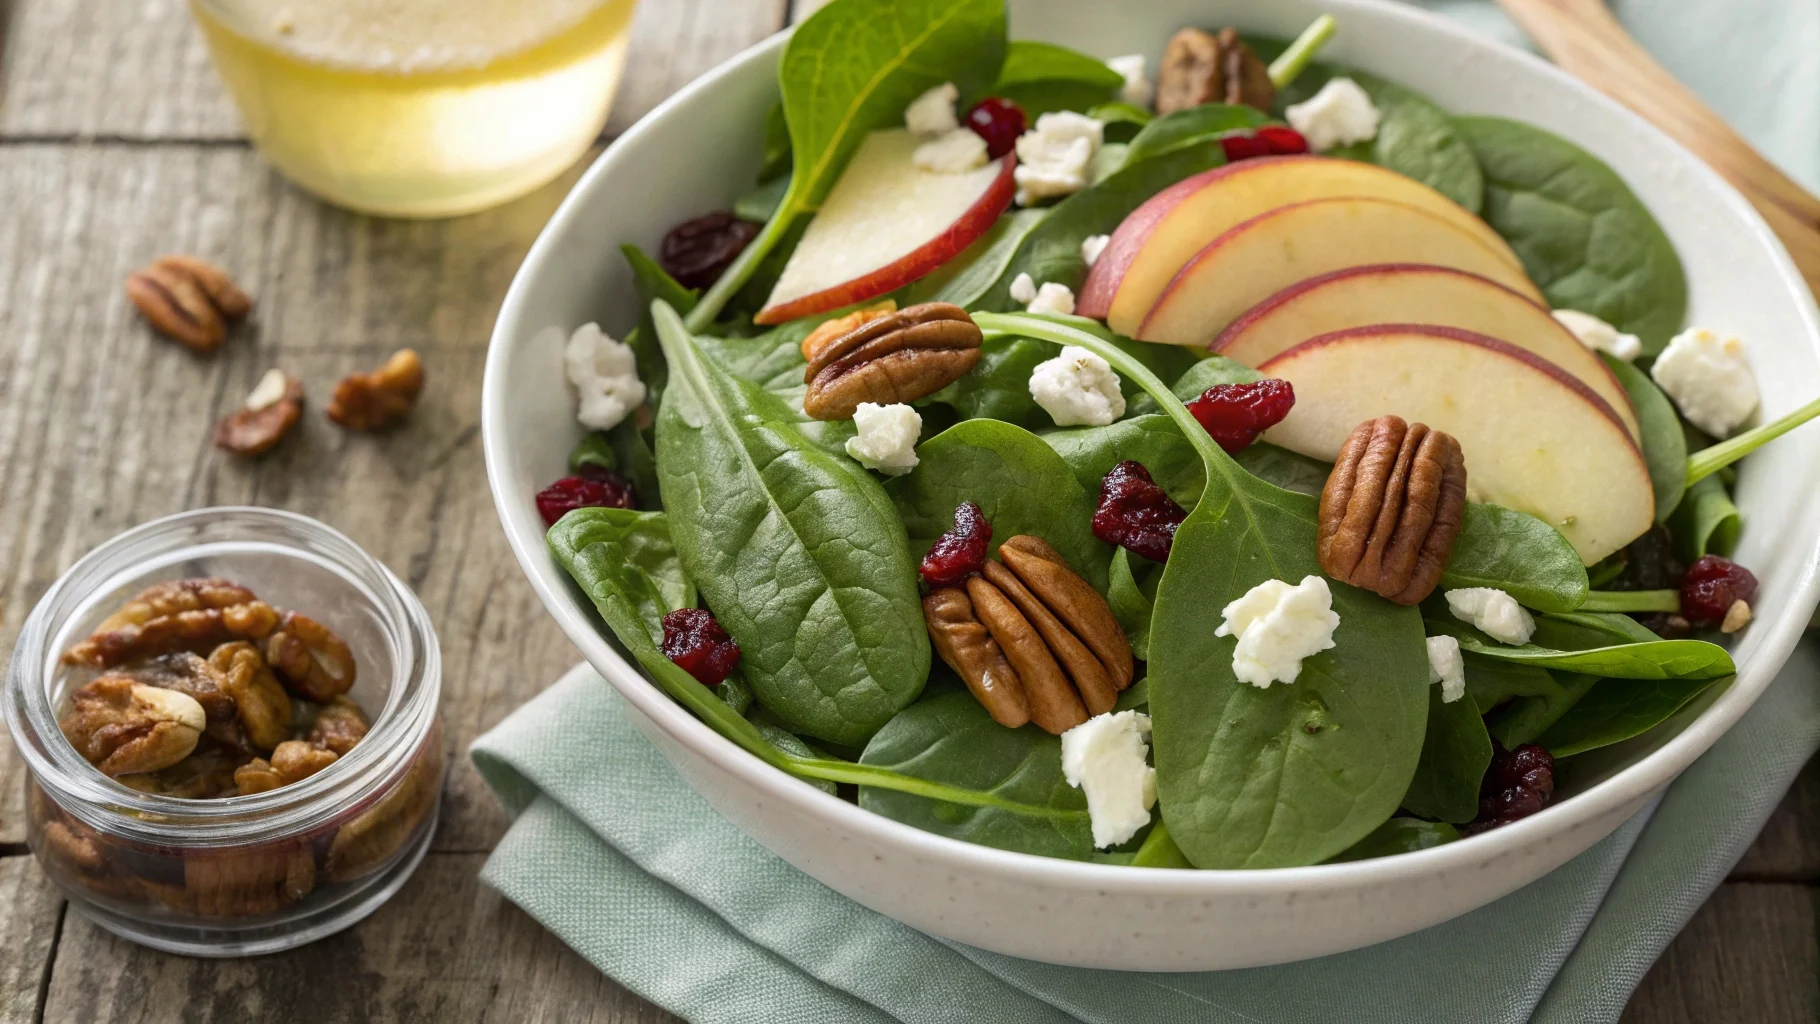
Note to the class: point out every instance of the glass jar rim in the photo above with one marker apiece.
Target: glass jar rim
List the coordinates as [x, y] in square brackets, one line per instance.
[353, 781]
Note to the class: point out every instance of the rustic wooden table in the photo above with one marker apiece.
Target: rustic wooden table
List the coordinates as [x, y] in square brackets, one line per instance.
[116, 146]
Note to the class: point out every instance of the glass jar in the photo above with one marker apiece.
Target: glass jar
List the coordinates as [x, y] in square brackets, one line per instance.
[242, 874]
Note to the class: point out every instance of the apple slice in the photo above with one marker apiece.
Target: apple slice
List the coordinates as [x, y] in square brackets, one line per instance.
[1536, 439]
[1412, 293]
[1272, 251]
[886, 223]
[1157, 238]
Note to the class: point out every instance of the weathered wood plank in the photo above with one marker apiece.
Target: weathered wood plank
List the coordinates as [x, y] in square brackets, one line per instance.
[1749, 955]
[445, 949]
[1789, 848]
[30, 911]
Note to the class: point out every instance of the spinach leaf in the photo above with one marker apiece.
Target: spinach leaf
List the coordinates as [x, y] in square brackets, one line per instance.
[1196, 126]
[789, 743]
[1455, 753]
[965, 278]
[1159, 850]
[1583, 235]
[1583, 631]
[653, 283]
[1615, 710]
[796, 550]
[760, 202]
[1289, 470]
[1130, 605]
[776, 158]
[737, 693]
[1339, 745]
[1658, 659]
[947, 737]
[1664, 445]
[625, 451]
[999, 387]
[1490, 683]
[1151, 440]
[1398, 835]
[1122, 120]
[1524, 719]
[1211, 371]
[618, 551]
[850, 69]
[1043, 77]
[1707, 522]
[1022, 485]
[1517, 553]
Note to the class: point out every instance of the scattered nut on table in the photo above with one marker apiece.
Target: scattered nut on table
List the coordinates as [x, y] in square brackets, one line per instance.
[377, 400]
[188, 300]
[900, 357]
[1392, 509]
[267, 415]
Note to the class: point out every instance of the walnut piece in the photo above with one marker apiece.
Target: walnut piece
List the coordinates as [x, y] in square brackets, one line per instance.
[188, 674]
[206, 774]
[263, 706]
[313, 662]
[339, 725]
[1392, 509]
[122, 727]
[189, 614]
[264, 418]
[377, 400]
[829, 331]
[188, 300]
[1200, 67]
[899, 357]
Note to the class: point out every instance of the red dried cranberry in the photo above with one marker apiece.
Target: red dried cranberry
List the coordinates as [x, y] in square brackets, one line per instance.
[999, 122]
[1243, 147]
[1519, 783]
[1282, 141]
[697, 251]
[694, 640]
[960, 552]
[1711, 586]
[593, 488]
[1135, 513]
[1235, 414]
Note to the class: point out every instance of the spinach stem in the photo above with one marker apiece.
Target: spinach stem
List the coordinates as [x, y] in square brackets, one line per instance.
[1631, 601]
[1708, 461]
[1292, 62]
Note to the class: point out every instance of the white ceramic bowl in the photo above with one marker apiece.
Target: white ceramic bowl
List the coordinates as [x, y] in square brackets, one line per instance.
[699, 150]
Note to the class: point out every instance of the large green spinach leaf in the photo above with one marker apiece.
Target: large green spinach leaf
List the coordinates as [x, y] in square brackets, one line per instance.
[1288, 775]
[1583, 235]
[968, 276]
[1615, 710]
[1044, 77]
[1455, 753]
[1658, 659]
[1663, 442]
[1520, 701]
[623, 552]
[1152, 441]
[1519, 554]
[1131, 605]
[797, 551]
[1197, 126]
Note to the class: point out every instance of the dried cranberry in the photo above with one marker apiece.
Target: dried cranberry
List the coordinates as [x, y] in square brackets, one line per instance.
[1235, 414]
[1243, 147]
[1519, 783]
[695, 252]
[960, 552]
[1135, 513]
[999, 122]
[1711, 586]
[593, 488]
[1282, 141]
[694, 640]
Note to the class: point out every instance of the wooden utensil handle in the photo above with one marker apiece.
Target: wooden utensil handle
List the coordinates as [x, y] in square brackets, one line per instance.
[1585, 39]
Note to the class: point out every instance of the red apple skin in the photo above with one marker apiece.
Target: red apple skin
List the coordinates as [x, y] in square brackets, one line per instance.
[924, 259]
[1567, 380]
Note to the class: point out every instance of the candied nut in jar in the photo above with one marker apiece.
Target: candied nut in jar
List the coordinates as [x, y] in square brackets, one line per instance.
[188, 674]
[175, 615]
[123, 727]
[312, 661]
[368, 841]
[377, 400]
[263, 706]
[338, 725]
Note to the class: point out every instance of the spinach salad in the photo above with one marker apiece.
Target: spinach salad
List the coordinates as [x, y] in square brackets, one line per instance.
[1256, 466]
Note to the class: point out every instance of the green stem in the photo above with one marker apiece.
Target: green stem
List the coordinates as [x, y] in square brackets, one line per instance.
[1631, 601]
[1293, 61]
[740, 271]
[1159, 851]
[1707, 461]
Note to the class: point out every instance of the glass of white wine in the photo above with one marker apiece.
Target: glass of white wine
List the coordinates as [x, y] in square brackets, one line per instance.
[420, 108]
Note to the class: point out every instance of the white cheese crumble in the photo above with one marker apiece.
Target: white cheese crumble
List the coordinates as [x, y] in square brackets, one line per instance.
[932, 113]
[605, 375]
[268, 391]
[1138, 90]
[1054, 158]
[1709, 380]
[1598, 335]
[1445, 666]
[1494, 612]
[1052, 298]
[1278, 625]
[952, 152]
[887, 437]
[1077, 388]
[1092, 246]
[1105, 757]
[1339, 115]
[1023, 289]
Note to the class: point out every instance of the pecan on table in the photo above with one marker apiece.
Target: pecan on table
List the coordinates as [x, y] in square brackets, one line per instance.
[829, 331]
[122, 727]
[263, 706]
[312, 661]
[264, 418]
[188, 300]
[1392, 509]
[377, 400]
[175, 615]
[900, 357]
[1201, 67]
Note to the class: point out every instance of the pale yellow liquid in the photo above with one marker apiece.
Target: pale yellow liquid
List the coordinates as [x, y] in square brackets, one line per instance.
[420, 108]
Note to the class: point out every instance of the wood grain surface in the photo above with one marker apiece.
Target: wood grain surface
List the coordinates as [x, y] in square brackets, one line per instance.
[116, 145]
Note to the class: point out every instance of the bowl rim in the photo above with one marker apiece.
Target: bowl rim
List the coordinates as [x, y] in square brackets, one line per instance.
[1630, 785]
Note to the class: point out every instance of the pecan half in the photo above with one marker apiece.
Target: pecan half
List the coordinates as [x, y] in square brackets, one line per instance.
[338, 726]
[188, 300]
[377, 400]
[264, 418]
[1392, 509]
[968, 648]
[121, 726]
[264, 708]
[901, 357]
[175, 615]
[829, 331]
[1200, 67]
[313, 662]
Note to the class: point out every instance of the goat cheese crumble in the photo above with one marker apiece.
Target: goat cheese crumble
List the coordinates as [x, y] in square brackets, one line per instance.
[1092, 246]
[932, 113]
[1053, 298]
[1494, 612]
[1023, 289]
[1053, 158]
[952, 152]
[887, 437]
[1278, 625]
[605, 375]
[1598, 335]
[1138, 90]
[1105, 758]
[1445, 666]
[1709, 380]
[1339, 115]
[1077, 388]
